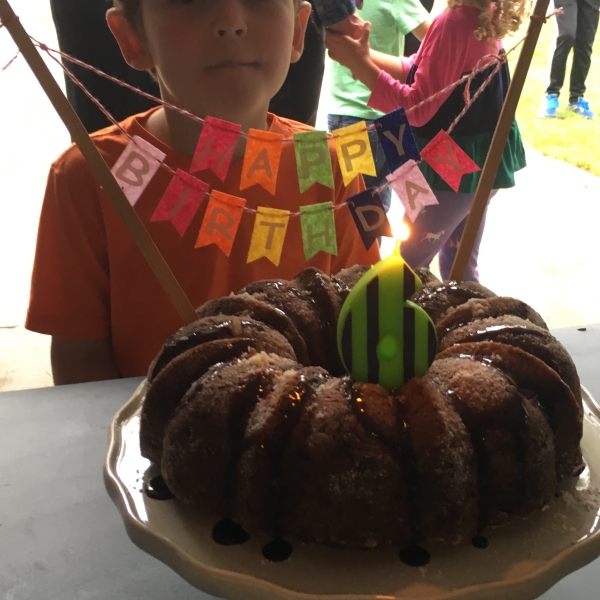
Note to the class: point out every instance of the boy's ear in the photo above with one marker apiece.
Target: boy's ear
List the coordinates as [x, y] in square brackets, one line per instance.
[132, 47]
[300, 30]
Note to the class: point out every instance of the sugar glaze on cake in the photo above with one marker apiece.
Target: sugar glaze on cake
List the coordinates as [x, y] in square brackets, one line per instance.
[250, 416]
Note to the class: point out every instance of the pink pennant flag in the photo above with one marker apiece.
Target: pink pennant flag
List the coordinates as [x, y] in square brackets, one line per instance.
[412, 188]
[136, 166]
[181, 201]
[448, 160]
[215, 146]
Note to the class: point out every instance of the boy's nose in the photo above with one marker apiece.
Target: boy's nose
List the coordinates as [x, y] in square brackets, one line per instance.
[230, 19]
[231, 31]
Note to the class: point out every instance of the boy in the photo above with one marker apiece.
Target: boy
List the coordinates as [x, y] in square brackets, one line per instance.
[91, 288]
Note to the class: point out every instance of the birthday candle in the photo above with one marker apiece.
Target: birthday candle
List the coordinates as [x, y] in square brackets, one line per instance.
[382, 336]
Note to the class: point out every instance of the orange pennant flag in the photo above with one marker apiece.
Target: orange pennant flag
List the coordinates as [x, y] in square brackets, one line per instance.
[221, 221]
[261, 159]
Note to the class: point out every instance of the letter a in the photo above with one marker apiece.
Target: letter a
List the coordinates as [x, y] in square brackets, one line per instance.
[412, 191]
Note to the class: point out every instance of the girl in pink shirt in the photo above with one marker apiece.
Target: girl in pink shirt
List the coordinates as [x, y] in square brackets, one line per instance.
[458, 39]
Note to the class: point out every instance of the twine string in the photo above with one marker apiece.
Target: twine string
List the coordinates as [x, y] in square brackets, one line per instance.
[465, 78]
[11, 61]
[197, 119]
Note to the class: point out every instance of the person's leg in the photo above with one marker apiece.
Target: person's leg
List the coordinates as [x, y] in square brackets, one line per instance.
[433, 226]
[567, 27]
[450, 248]
[83, 33]
[298, 98]
[587, 25]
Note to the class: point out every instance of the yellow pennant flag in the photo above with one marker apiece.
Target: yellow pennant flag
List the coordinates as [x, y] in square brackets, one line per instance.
[268, 235]
[354, 151]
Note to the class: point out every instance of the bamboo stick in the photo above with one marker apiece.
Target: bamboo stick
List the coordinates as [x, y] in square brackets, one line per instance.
[492, 161]
[97, 164]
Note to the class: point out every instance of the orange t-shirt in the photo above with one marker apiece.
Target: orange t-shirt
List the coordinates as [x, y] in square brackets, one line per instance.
[91, 281]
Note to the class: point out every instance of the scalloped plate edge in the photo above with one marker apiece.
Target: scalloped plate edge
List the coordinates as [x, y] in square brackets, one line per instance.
[237, 586]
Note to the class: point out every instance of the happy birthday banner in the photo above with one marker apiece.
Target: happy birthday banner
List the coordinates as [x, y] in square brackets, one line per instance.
[185, 194]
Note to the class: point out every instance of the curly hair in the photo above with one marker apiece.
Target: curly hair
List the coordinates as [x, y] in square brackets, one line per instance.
[497, 18]
[131, 8]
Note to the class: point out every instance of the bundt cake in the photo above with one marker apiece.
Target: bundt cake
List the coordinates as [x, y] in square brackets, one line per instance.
[251, 416]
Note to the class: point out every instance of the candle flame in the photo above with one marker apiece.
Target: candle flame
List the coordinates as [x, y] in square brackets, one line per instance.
[403, 232]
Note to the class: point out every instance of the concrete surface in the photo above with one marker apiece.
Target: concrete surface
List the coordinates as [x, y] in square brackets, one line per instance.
[540, 243]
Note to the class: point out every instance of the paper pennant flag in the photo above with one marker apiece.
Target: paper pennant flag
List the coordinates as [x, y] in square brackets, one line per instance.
[215, 146]
[268, 234]
[261, 160]
[448, 160]
[318, 229]
[136, 166]
[412, 188]
[369, 215]
[221, 221]
[354, 151]
[396, 138]
[313, 159]
[181, 201]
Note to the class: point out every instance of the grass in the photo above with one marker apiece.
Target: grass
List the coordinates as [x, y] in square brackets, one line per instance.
[568, 137]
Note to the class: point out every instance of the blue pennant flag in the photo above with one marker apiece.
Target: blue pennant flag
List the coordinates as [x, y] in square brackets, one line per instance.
[396, 139]
[369, 216]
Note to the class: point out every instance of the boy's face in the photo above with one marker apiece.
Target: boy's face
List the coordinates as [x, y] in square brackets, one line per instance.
[224, 58]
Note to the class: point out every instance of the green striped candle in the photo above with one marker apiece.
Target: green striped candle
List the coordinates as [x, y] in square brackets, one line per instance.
[382, 336]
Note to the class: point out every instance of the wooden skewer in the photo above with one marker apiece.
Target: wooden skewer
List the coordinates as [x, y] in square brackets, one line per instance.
[97, 164]
[492, 161]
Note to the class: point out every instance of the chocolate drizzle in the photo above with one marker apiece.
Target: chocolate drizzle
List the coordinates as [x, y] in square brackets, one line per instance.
[279, 550]
[179, 344]
[480, 542]
[400, 448]
[414, 556]
[292, 408]
[482, 466]
[228, 533]
[521, 431]
[477, 437]
[242, 404]
[296, 397]
[157, 489]
[494, 333]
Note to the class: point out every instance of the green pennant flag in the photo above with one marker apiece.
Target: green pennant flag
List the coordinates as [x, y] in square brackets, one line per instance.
[313, 159]
[318, 229]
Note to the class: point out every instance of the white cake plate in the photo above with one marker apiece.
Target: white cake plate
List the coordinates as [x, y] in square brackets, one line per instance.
[521, 562]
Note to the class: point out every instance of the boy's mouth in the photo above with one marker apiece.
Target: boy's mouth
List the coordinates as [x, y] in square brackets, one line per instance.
[233, 64]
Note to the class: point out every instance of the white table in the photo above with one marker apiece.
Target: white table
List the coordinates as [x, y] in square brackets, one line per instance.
[61, 538]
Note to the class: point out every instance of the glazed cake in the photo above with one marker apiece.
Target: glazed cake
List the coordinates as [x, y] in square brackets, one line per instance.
[250, 415]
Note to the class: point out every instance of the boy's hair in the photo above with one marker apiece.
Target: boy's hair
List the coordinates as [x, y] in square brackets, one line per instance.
[131, 8]
[498, 17]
